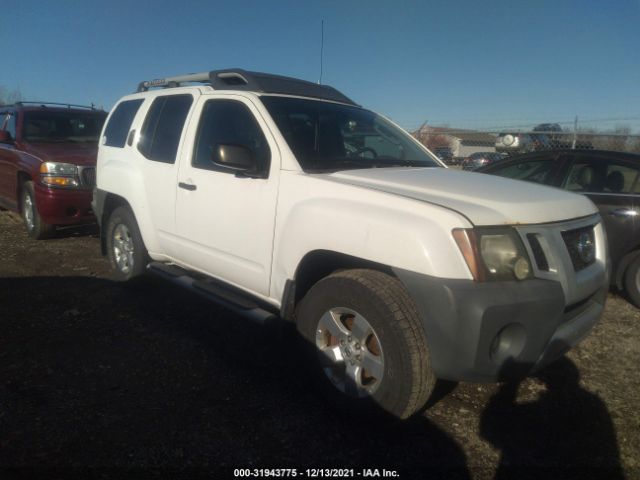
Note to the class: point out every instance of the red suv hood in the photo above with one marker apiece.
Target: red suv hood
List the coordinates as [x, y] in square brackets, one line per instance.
[76, 153]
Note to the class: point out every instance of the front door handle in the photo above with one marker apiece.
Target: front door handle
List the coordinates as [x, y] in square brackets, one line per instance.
[187, 186]
[623, 212]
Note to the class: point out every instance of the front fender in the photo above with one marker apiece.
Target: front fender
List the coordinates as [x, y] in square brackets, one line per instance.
[371, 225]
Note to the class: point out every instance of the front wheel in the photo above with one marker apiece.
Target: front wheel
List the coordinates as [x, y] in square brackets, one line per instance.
[368, 348]
[37, 228]
[125, 248]
[632, 281]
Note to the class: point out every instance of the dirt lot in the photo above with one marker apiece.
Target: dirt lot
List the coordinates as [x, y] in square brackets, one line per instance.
[100, 379]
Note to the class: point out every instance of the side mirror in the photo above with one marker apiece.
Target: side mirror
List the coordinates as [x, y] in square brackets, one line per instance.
[5, 137]
[234, 157]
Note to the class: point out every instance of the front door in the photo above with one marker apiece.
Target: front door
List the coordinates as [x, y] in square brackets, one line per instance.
[225, 221]
[612, 184]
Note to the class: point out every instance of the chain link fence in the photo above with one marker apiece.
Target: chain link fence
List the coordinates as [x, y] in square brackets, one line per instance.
[454, 145]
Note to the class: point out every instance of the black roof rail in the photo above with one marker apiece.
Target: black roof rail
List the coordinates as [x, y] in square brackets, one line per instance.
[238, 79]
[54, 104]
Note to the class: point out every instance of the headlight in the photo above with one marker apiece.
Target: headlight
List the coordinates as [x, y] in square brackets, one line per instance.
[59, 174]
[493, 253]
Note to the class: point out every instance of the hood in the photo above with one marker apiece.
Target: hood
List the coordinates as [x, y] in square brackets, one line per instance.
[483, 199]
[76, 153]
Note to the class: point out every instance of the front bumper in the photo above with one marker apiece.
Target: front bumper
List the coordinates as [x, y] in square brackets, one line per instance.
[484, 332]
[59, 206]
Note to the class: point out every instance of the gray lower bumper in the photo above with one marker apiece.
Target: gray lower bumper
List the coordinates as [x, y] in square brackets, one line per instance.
[489, 331]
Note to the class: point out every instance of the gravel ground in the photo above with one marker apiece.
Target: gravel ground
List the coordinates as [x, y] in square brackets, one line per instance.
[105, 380]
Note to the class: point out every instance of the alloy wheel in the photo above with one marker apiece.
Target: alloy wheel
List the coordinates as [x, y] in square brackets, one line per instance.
[123, 250]
[28, 209]
[350, 352]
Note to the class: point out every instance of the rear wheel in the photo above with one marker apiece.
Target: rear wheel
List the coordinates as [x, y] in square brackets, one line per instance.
[125, 248]
[632, 281]
[36, 227]
[366, 343]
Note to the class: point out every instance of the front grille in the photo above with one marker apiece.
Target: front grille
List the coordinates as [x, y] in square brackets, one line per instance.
[538, 253]
[88, 177]
[581, 246]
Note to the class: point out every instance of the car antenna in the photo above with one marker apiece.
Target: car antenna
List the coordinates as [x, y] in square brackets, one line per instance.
[321, 49]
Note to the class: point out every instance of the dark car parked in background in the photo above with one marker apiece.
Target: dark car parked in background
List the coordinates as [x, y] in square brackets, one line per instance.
[611, 180]
[445, 154]
[551, 136]
[480, 159]
[47, 163]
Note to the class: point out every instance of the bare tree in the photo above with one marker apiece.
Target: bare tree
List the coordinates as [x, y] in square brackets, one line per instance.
[431, 139]
[619, 139]
[9, 97]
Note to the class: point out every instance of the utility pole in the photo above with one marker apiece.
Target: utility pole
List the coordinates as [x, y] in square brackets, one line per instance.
[575, 133]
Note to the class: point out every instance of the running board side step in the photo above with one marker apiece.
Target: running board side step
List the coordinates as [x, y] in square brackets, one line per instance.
[211, 289]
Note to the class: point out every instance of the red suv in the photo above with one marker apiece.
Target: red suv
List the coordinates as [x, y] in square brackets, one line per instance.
[47, 163]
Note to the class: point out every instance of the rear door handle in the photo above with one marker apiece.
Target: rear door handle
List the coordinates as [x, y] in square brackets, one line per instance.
[187, 186]
[623, 212]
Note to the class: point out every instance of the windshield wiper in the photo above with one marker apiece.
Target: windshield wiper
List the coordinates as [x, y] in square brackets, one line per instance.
[396, 162]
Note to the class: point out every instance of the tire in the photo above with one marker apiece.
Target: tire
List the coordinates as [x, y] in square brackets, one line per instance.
[632, 281]
[37, 228]
[365, 343]
[127, 255]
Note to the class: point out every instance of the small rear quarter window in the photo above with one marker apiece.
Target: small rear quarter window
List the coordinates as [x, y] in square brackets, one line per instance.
[120, 122]
[162, 129]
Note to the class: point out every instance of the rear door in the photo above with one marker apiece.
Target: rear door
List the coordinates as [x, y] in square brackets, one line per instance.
[156, 150]
[614, 186]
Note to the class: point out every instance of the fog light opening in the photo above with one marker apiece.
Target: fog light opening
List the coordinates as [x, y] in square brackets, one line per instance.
[72, 212]
[508, 343]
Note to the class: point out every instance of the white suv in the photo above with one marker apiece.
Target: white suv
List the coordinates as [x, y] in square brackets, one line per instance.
[283, 198]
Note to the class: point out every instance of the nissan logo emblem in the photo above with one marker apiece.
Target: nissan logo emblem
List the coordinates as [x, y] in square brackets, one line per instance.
[586, 248]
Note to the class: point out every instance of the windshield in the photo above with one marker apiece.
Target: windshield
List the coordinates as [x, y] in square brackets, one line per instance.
[62, 127]
[329, 137]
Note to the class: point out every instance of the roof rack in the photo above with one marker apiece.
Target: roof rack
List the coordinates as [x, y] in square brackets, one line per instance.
[238, 79]
[54, 104]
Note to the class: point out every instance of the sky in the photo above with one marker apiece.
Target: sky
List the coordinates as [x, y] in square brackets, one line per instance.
[459, 63]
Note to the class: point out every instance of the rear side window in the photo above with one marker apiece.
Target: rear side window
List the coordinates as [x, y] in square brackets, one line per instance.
[120, 123]
[602, 175]
[163, 126]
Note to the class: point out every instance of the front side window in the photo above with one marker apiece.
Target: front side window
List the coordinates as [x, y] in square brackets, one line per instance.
[162, 128]
[328, 136]
[537, 171]
[62, 127]
[120, 122]
[229, 122]
[601, 175]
